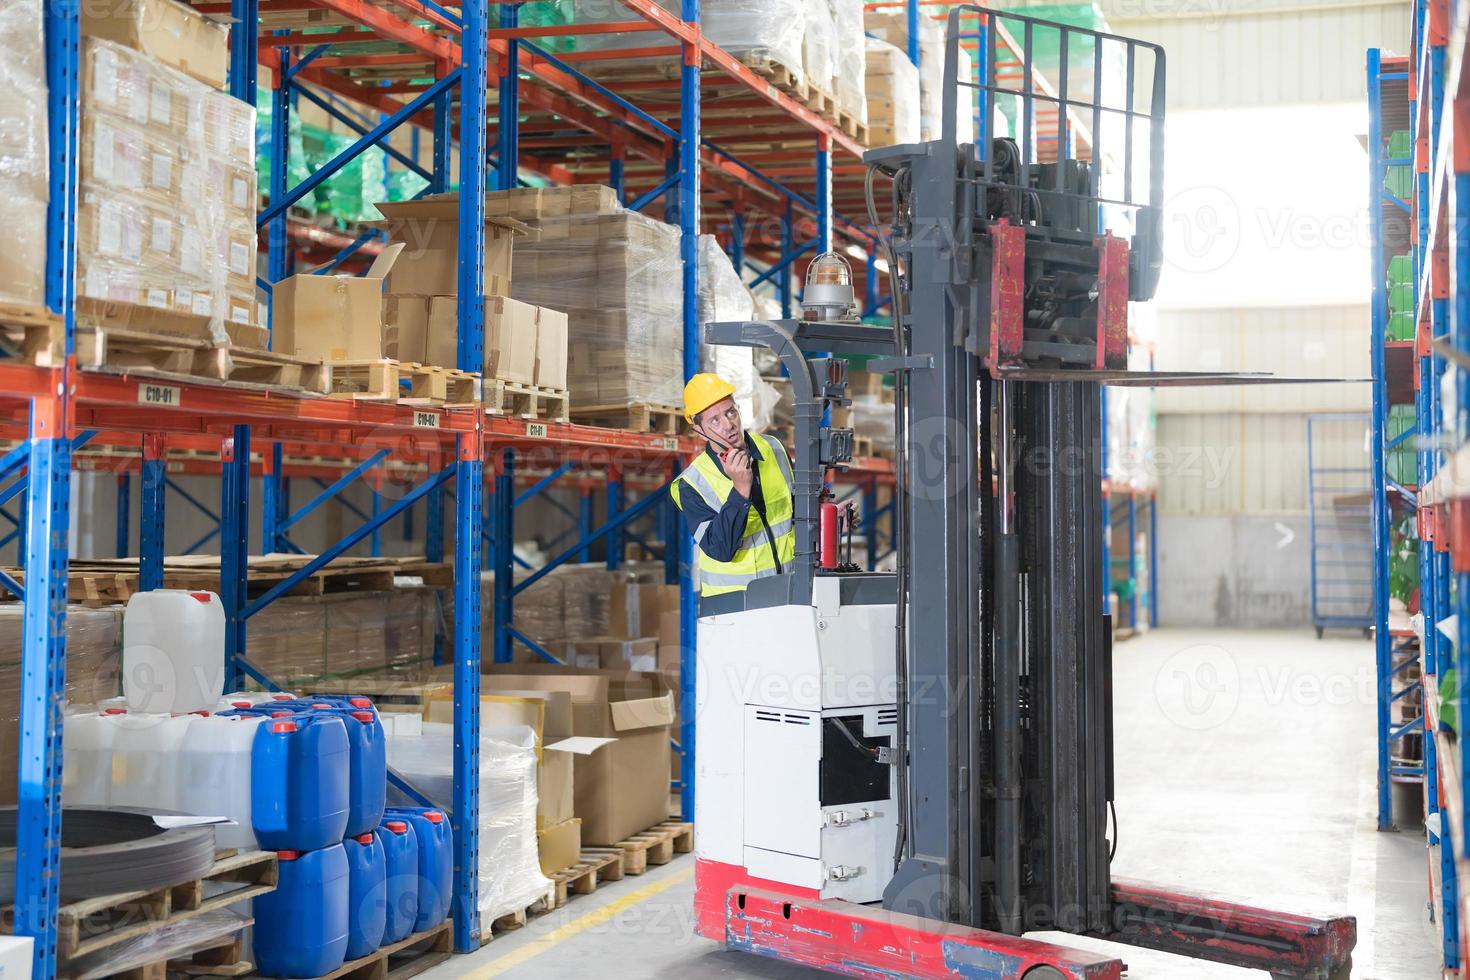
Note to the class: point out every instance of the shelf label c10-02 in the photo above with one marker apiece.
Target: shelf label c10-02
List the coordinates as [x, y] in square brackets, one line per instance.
[426, 420]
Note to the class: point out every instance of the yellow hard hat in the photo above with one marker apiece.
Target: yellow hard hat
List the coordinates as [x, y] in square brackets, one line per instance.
[702, 391]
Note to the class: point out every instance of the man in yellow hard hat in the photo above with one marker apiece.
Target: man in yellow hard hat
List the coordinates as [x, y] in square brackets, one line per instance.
[736, 495]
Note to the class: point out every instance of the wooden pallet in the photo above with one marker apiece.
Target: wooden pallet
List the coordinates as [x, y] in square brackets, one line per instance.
[861, 446]
[271, 370]
[714, 82]
[583, 877]
[39, 339]
[33, 334]
[405, 382]
[106, 581]
[225, 960]
[90, 924]
[398, 961]
[656, 845]
[511, 921]
[525, 401]
[637, 417]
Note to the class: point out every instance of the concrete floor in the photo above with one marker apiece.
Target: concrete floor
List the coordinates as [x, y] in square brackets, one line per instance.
[1244, 766]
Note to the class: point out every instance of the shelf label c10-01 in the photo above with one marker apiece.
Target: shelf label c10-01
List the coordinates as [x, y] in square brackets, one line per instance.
[536, 430]
[152, 394]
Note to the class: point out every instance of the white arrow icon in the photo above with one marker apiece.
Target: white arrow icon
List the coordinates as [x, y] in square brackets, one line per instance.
[1287, 535]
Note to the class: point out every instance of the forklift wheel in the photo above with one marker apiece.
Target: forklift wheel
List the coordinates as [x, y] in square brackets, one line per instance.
[1044, 973]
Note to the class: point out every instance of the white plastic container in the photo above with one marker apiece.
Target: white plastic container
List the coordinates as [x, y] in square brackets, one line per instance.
[214, 775]
[173, 651]
[86, 773]
[246, 699]
[145, 759]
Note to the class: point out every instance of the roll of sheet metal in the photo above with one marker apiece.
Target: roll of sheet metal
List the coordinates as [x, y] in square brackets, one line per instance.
[105, 850]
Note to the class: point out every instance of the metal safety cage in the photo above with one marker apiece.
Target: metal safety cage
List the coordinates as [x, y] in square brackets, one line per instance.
[1062, 165]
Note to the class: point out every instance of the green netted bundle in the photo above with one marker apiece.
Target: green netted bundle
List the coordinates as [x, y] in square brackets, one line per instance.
[551, 13]
[296, 169]
[1400, 281]
[405, 185]
[1403, 560]
[1400, 179]
[1403, 467]
[348, 195]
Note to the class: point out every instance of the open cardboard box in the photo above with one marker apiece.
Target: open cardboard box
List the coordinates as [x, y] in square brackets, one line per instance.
[620, 725]
[333, 318]
[429, 227]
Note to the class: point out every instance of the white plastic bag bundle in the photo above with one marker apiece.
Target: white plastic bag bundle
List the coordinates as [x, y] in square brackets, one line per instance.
[510, 872]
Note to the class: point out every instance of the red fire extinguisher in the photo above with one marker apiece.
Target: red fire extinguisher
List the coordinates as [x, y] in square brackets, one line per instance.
[828, 525]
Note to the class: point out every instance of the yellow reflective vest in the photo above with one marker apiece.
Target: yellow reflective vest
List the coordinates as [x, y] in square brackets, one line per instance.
[768, 545]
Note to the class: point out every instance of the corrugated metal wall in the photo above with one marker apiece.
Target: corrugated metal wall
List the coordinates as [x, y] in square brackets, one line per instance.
[1227, 54]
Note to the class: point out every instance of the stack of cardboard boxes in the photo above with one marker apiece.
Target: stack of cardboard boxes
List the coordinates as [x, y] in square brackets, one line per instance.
[417, 321]
[23, 153]
[891, 84]
[166, 237]
[602, 742]
[619, 277]
[617, 753]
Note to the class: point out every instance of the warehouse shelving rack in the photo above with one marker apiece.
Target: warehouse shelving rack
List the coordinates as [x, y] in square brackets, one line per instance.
[1428, 90]
[421, 65]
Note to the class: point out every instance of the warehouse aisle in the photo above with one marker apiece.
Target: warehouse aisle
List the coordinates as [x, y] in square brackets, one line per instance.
[1244, 767]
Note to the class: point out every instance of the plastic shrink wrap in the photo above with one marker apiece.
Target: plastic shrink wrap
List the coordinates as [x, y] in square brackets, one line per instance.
[723, 297]
[166, 202]
[93, 662]
[510, 872]
[618, 276]
[892, 86]
[893, 28]
[23, 153]
[819, 46]
[758, 32]
[848, 63]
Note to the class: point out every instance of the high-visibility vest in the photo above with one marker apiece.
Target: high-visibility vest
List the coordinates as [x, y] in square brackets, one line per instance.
[768, 545]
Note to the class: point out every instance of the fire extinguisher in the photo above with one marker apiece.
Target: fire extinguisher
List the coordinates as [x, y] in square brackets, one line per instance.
[828, 523]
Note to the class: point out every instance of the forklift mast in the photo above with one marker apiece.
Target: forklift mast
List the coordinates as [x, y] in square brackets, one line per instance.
[1013, 261]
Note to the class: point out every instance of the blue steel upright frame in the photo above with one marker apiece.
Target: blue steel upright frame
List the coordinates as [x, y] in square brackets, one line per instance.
[48, 492]
[1440, 210]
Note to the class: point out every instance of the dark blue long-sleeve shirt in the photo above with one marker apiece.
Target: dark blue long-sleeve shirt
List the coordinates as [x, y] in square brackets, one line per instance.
[719, 533]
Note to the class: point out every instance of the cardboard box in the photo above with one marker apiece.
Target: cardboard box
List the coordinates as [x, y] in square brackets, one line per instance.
[405, 327]
[173, 33]
[668, 626]
[621, 722]
[551, 348]
[510, 339]
[429, 228]
[23, 252]
[605, 653]
[554, 788]
[635, 608]
[441, 340]
[559, 847]
[334, 318]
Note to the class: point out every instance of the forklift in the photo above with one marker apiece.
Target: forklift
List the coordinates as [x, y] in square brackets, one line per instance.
[902, 774]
